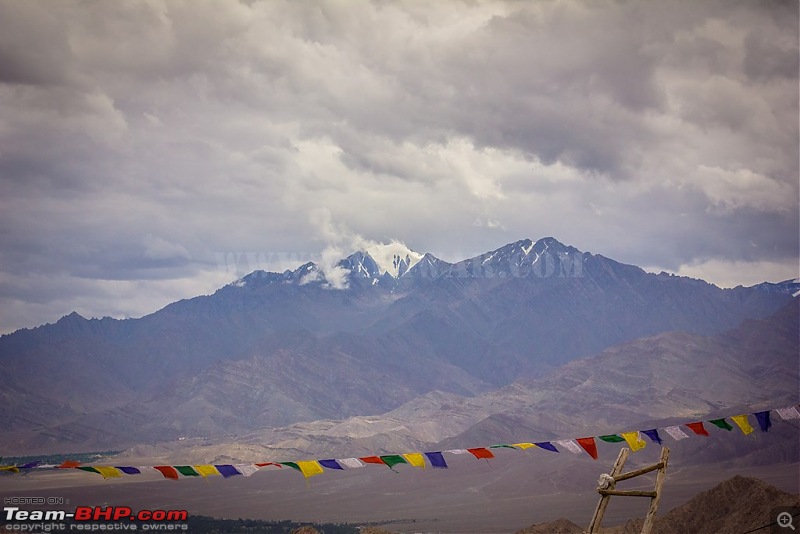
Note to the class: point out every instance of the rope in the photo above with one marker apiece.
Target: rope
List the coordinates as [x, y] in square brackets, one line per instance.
[605, 481]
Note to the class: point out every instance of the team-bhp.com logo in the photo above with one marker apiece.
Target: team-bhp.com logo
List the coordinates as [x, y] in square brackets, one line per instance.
[93, 518]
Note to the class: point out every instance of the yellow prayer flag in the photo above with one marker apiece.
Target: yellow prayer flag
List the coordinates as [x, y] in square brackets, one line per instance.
[635, 441]
[309, 468]
[206, 470]
[11, 468]
[108, 472]
[742, 422]
[523, 446]
[415, 459]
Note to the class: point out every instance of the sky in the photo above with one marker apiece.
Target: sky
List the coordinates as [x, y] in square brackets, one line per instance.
[157, 150]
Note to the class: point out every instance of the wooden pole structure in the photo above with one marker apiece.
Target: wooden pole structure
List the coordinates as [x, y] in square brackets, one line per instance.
[650, 519]
[616, 476]
[600, 511]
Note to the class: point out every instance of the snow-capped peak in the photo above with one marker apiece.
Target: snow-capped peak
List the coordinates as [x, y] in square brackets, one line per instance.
[394, 258]
[527, 249]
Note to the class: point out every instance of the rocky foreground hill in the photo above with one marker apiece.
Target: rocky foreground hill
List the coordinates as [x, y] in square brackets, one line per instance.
[739, 504]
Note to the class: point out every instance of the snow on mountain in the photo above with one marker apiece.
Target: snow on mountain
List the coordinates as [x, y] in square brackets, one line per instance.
[361, 265]
[386, 264]
[394, 258]
[545, 257]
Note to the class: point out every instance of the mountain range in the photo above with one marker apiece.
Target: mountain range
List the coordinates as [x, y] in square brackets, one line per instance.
[386, 327]
[667, 379]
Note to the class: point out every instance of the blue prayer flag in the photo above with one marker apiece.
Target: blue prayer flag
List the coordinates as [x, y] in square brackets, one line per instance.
[227, 470]
[436, 459]
[653, 435]
[763, 420]
[128, 470]
[330, 464]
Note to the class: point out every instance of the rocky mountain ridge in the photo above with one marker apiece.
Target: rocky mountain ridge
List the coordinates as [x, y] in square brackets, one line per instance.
[644, 383]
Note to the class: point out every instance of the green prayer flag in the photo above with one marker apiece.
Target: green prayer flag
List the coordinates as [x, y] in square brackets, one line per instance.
[292, 465]
[612, 438]
[89, 469]
[722, 423]
[502, 447]
[186, 470]
[393, 459]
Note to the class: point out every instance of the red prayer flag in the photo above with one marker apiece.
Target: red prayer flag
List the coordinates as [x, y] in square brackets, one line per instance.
[265, 464]
[589, 446]
[168, 471]
[372, 460]
[69, 464]
[698, 428]
[481, 452]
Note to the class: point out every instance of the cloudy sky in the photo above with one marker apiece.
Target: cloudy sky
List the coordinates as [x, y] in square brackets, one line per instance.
[144, 145]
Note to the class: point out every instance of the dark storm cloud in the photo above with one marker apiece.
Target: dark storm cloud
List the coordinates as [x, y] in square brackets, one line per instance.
[142, 142]
[33, 45]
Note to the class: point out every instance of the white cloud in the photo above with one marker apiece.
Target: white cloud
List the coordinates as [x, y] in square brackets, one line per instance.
[744, 188]
[734, 273]
[157, 248]
[270, 132]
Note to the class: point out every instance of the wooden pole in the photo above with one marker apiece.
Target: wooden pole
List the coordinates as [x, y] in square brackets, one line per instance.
[636, 473]
[600, 511]
[650, 519]
[627, 493]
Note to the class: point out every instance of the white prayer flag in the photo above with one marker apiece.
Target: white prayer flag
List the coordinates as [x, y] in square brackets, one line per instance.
[570, 445]
[351, 462]
[788, 413]
[676, 433]
[246, 469]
